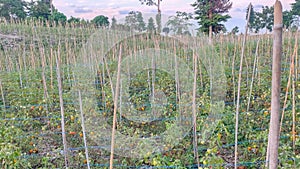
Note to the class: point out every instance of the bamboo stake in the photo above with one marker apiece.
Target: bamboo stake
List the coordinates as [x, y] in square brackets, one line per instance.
[60, 90]
[18, 66]
[239, 93]
[253, 73]
[195, 58]
[83, 130]
[115, 111]
[2, 95]
[292, 67]
[273, 141]
[232, 72]
[294, 77]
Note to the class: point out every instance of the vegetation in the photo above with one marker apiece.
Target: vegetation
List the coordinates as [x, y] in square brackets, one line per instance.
[30, 125]
[158, 16]
[39, 51]
[179, 23]
[101, 21]
[209, 15]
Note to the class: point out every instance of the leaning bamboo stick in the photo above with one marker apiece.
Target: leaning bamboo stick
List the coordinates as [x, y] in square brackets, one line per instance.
[253, 74]
[294, 77]
[292, 67]
[115, 110]
[2, 96]
[83, 130]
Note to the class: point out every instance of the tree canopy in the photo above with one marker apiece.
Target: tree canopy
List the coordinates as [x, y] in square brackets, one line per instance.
[158, 16]
[135, 21]
[296, 8]
[40, 9]
[101, 21]
[151, 25]
[180, 22]
[13, 9]
[211, 15]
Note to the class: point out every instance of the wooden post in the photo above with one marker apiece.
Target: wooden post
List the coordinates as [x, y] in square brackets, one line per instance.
[273, 140]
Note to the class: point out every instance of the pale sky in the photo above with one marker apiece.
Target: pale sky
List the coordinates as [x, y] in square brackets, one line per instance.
[88, 9]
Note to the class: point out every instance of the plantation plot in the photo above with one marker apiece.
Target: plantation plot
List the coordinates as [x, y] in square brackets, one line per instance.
[173, 99]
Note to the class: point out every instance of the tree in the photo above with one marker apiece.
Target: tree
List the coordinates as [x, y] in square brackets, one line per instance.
[135, 21]
[58, 17]
[187, 33]
[252, 23]
[40, 9]
[210, 15]
[179, 23]
[12, 9]
[101, 21]
[166, 30]
[296, 11]
[288, 19]
[74, 20]
[113, 23]
[296, 8]
[234, 30]
[158, 16]
[151, 25]
[267, 17]
[141, 23]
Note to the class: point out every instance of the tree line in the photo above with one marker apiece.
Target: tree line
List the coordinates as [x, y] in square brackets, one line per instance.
[210, 15]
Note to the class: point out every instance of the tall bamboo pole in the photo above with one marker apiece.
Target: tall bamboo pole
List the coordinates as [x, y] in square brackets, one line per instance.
[115, 111]
[195, 58]
[239, 93]
[273, 140]
[60, 91]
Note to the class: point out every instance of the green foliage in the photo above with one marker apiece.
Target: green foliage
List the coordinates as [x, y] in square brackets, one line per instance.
[12, 9]
[166, 30]
[288, 19]
[40, 9]
[29, 141]
[251, 18]
[211, 14]
[266, 18]
[149, 2]
[235, 30]
[179, 23]
[158, 22]
[151, 25]
[135, 21]
[74, 20]
[263, 20]
[296, 8]
[158, 15]
[101, 21]
[58, 17]
[113, 23]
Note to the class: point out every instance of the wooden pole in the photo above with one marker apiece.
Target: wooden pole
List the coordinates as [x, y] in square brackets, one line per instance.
[83, 130]
[115, 111]
[273, 140]
[60, 91]
[239, 93]
[194, 106]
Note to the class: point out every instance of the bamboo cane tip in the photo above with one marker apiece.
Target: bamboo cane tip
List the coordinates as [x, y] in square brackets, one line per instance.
[277, 13]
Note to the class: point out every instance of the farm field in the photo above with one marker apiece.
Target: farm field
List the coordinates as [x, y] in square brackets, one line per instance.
[58, 84]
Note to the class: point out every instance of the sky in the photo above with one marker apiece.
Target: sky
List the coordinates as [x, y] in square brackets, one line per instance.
[88, 9]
